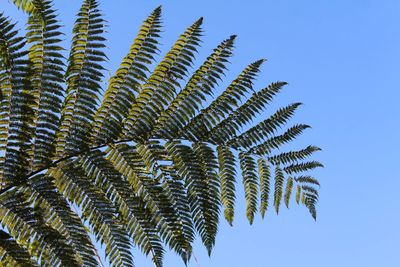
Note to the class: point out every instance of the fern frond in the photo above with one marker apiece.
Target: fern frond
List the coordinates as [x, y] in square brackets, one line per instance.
[46, 76]
[160, 89]
[276, 142]
[122, 87]
[227, 174]
[175, 226]
[150, 163]
[15, 108]
[229, 127]
[250, 183]
[307, 179]
[139, 222]
[199, 126]
[265, 128]
[310, 190]
[188, 166]
[26, 226]
[59, 215]
[188, 101]
[100, 212]
[12, 254]
[310, 200]
[209, 165]
[298, 193]
[84, 74]
[25, 5]
[179, 194]
[264, 173]
[288, 191]
[302, 167]
[278, 191]
[293, 156]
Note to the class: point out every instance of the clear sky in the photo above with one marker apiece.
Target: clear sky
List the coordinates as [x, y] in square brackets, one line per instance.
[342, 59]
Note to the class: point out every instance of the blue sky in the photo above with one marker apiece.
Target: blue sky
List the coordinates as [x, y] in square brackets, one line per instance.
[342, 59]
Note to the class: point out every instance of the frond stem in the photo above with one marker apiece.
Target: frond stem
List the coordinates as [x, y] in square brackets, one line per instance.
[54, 163]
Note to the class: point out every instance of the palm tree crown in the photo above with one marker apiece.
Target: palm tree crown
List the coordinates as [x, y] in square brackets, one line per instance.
[143, 163]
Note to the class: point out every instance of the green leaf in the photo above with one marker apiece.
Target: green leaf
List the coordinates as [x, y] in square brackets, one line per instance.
[227, 174]
[288, 191]
[265, 176]
[250, 183]
[278, 191]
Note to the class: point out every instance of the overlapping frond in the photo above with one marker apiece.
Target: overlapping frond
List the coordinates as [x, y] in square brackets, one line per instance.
[16, 113]
[160, 89]
[189, 99]
[46, 75]
[26, 226]
[100, 212]
[230, 126]
[12, 254]
[83, 76]
[208, 118]
[209, 164]
[25, 5]
[265, 177]
[151, 163]
[137, 217]
[288, 191]
[59, 215]
[227, 173]
[265, 128]
[250, 183]
[196, 184]
[161, 195]
[122, 87]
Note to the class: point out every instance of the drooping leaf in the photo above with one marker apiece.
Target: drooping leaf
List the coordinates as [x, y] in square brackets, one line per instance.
[250, 183]
[265, 176]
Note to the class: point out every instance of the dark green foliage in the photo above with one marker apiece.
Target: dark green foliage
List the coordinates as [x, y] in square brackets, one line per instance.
[288, 191]
[265, 176]
[150, 163]
[227, 174]
[278, 191]
[250, 183]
